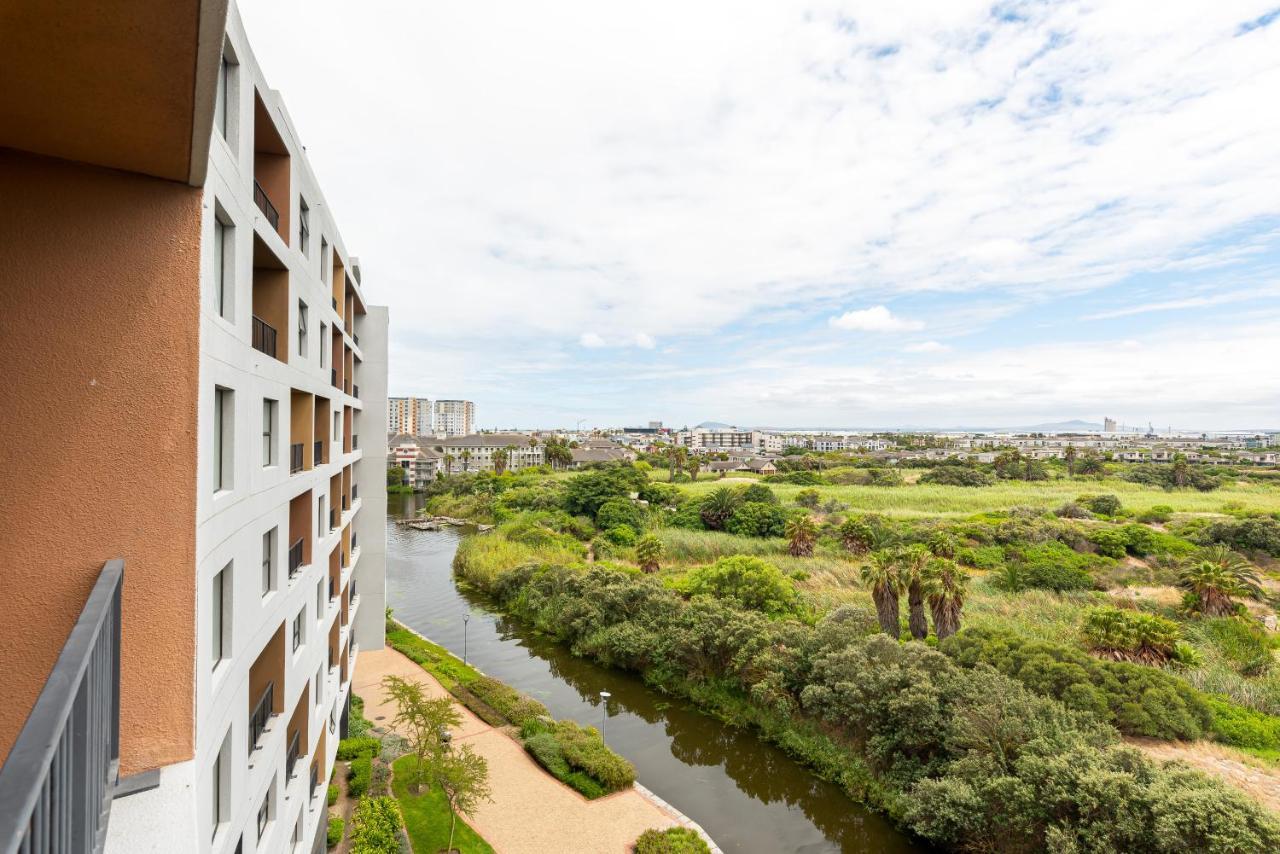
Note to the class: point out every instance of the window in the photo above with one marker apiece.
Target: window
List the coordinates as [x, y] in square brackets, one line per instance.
[269, 410]
[269, 561]
[223, 430]
[322, 522]
[302, 328]
[323, 329]
[304, 224]
[220, 621]
[324, 259]
[297, 630]
[320, 599]
[219, 788]
[319, 685]
[223, 265]
[220, 97]
[264, 814]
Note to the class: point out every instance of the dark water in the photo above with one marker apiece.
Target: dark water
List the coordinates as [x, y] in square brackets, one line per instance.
[748, 795]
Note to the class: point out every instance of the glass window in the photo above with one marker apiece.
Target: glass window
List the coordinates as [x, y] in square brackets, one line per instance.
[220, 97]
[302, 328]
[219, 618]
[304, 224]
[268, 432]
[223, 414]
[269, 561]
[297, 631]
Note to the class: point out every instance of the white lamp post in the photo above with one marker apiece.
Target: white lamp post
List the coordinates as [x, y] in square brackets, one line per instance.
[604, 717]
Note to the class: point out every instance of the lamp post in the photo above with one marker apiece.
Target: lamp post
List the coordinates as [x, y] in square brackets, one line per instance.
[604, 717]
[466, 618]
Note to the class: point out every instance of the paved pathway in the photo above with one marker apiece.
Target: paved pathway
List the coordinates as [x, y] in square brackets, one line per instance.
[531, 810]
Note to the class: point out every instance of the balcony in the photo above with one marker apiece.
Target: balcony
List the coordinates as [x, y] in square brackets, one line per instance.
[333, 377]
[295, 457]
[314, 782]
[295, 558]
[355, 441]
[345, 504]
[264, 337]
[263, 202]
[355, 391]
[261, 716]
[335, 303]
[355, 492]
[333, 588]
[319, 453]
[355, 338]
[57, 783]
[291, 758]
[333, 518]
[354, 541]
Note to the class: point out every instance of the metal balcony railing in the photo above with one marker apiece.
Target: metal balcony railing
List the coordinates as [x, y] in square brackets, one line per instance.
[319, 452]
[354, 541]
[344, 503]
[261, 715]
[333, 587]
[57, 783]
[335, 303]
[264, 336]
[333, 518]
[295, 558]
[355, 391]
[355, 441]
[355, 489]
[314, 782]
[355, 338]
[333, 377]
[263, 201]
[295, 458]
[291, 759]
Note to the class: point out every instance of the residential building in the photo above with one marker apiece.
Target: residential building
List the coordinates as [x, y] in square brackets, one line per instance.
[475, 453]
[454, 417]
[178, 281]
[1108, 425]
[417, 457]
[411, 415]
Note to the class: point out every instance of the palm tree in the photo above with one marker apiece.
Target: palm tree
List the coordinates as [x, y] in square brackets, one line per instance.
[802, 533]
[718, 507]
[448, 462]
[857, 535]
[911, 563]
[500, 460]
[466, 460]
[1070, 457]
[1181, 470]
[945, 584]
[648, 552]
[1213, 576]
[881, 575]
[677, 455]
[692, 467]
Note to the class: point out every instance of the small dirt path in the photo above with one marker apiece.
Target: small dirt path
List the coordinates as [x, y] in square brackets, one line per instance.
[1258, 779]
[531, 811]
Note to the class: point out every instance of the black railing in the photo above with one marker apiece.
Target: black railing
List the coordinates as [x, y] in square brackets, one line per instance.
[319, 452]
[261, 715]
[354, 541]
[355, 338]
[355, 441]
[291, 758]
[57, 783]
[333, 377]
[263, 201]
[333, 518]
[315, 781]
[355, 488]
[264, 336]
[333, 587]
[295, 558]
[295, 458]
[335, 303]
[354, 594]
[355, 390]
[344, 503]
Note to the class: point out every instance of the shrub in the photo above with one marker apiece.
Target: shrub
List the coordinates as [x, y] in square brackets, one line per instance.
[1073, 510]
[331, 795]
[956, 476]
[1047, 566]
[981, 557]
[334, 835]
[1241, 641]
[375, 826]
[1242, 727]
[757, 519]
[514, 706]
[621, 535]
[883, 477]
[1111, 542]
[586, 493]
[620, 511]
[584, 749]
[797, 478]
[359, 774]
[808, 498]
[1260, 534]
[545, 748]
[759, 493]
[673, 840]
[1103, 505]
[1130, 635]
[351, 748]
[1160, 513]
[746, 581]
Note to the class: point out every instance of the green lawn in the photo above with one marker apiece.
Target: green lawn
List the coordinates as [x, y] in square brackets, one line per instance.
[919, 500]
[426, 817]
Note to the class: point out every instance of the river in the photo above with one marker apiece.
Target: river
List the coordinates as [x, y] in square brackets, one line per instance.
[748, 795]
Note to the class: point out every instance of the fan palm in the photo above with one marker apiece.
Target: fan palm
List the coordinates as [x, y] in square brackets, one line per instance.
[945, 585]
[802, 533]
[881, 575]
[1215, 575]
[912, 561]
[649, 552]
[717, 507]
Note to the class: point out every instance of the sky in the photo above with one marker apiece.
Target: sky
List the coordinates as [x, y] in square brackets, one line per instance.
[805, 214]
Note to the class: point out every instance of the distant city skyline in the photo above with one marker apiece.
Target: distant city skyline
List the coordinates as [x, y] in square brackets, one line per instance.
[915, 214]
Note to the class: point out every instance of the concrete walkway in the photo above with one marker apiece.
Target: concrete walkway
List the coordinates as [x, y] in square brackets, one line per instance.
[531, 810]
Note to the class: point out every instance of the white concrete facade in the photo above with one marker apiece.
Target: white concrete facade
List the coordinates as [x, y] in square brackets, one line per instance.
[261, 597]
[455, 417]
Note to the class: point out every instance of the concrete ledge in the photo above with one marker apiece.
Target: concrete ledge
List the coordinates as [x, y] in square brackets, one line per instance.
[682, 819]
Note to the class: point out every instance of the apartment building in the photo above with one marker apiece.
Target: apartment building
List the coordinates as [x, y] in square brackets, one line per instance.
[455, 417]
[475, 453]
[412, 416]
[197, 558]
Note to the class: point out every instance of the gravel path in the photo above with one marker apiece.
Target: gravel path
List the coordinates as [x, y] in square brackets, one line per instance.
[1240, 770]
[531, 810]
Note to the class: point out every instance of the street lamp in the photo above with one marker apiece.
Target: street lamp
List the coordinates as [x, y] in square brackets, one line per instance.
[466, 618]
[604, 717]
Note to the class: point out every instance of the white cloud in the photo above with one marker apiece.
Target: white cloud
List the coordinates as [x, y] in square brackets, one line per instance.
[643, 341]
[926, 347]
[874, 319]
[591, 340]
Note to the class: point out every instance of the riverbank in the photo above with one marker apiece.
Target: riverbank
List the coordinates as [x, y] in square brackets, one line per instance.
[531, 811]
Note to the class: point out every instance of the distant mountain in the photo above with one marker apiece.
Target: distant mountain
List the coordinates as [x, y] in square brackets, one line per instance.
[1073, 426]
[714, 425]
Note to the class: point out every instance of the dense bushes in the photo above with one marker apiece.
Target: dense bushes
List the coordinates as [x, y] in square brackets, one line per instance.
[1047, 566]
[334, 834]
[577, 756]
[620, 511]
[375, 825]
[544, 748]
[359, 773]
[757, 519]
[748, 582]
[1261, 534]
[352, 748]
[516, 707]
[1244, 727]
[673, 840]
[1137, 700]
[966, 756]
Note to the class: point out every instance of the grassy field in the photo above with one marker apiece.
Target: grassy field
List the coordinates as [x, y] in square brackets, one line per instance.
[920, 500]
[426, 817]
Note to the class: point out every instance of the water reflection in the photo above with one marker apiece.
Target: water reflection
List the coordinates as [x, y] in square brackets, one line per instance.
[748, 795]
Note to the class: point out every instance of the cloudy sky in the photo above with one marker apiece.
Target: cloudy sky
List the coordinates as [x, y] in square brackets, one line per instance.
[806, 214]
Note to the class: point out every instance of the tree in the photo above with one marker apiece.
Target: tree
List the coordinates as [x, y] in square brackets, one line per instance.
[1070, 457]
[881, 574]
[692, 467]
[1008, 464]
[1181, 471]
[808, 498]
[676, 457]
[466, 460]
[912, 561]
[395, 475]
[747, 581]
[423, 719]
[945, 585]
[801, 533]
[649, 552]
[1213, 576]
[718, 506]
[1091, 463]
[463, 777]
[859, 535]
[500, 457]
[448, 462]
[557, 452]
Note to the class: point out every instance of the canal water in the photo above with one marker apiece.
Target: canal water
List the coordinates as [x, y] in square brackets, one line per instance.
[748, 795]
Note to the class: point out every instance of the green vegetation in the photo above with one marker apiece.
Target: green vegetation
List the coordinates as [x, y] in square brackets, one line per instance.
[673, 840]
[359, 773]
[375, 824]
[334, 834]
[331, 794]
[962, 647]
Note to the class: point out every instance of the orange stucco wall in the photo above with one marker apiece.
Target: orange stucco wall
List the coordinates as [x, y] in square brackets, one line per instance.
[100, 323]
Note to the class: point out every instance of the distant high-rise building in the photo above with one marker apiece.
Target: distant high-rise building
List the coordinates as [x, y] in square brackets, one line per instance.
[455, 417]
[410, 415]
[655, 425]
[1109, 425]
